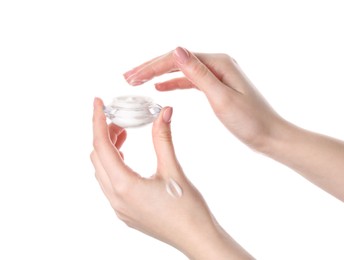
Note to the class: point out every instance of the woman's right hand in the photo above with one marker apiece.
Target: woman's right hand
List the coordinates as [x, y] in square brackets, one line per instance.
[242, 109]
[234, 99]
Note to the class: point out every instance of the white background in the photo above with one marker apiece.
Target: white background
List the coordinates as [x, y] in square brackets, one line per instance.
[55, 56]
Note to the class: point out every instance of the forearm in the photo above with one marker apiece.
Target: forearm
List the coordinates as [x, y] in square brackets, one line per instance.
[318, 158]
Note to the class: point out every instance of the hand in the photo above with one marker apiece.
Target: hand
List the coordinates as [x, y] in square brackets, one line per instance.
[242, 109]
[185, 221]
[234, 99]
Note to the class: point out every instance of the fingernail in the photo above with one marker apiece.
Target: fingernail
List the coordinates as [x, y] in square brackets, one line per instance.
[128, 73]
[134, 82]
[167, 115]
[157, 85]
[182, 55]
[130, 77]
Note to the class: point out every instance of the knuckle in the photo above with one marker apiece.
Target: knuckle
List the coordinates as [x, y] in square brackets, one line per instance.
[97, 143]
[115, 204]
[92, 155]
[224, 57]
[125, 219]
[200, 70]
[222, 104]
[125, 189]
[122, 189]
[164, 135]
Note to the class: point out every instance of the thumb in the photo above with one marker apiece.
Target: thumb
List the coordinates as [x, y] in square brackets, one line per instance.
[162, 140]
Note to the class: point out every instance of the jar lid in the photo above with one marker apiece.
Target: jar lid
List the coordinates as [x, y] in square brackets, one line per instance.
[132, 111]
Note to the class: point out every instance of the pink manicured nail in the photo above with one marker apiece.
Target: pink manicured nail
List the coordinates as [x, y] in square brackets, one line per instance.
[182, 55]
[167, 115]
[129, 73]
[134, 82]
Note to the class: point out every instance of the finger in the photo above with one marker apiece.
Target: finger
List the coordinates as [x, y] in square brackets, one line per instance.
[138, 68]
[101, 175]
[114, 131]
[108, 155]
[156, 67]
[177, 83]
[122, 155]
[198, 73]
[117, 135]
[226, 69]
[121, 139]
[162, 140]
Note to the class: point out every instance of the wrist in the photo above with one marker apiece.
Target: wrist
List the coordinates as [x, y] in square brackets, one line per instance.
[276, 134]
[215, 243]
[280, 140]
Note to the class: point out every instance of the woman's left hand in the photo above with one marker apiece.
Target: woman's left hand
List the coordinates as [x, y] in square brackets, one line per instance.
[184, 220]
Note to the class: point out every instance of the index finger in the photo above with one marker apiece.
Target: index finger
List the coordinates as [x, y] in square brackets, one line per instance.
[108, 155]
[190, 64]
[153, 68]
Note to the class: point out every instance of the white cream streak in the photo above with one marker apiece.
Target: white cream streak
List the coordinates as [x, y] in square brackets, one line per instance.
[173, 188]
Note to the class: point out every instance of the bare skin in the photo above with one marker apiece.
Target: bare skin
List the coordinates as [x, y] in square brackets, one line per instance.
[143, 203]
[186, 222]
[245, 113]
